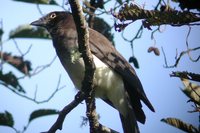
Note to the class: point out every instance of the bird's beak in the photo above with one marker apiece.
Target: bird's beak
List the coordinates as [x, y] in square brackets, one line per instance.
[39, 22]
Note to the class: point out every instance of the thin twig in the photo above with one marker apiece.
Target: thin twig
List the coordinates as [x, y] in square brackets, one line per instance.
[152, 36]
[63, 113]
[138, 35]
[28, 50]
[187, 44]
[188, 24]
[39, 69]
[17, 47]
[187, 37]
[165, 59]
[58, 88]
[19, 50]
[14, 129]
[39, 9]
[158, 4]
[35, 94]
[179, 57]
[25, 128]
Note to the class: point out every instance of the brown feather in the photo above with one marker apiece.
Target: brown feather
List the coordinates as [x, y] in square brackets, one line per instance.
[102, 48]
[63, 30]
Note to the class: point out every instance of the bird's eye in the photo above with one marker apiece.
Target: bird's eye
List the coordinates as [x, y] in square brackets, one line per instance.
[53, 15]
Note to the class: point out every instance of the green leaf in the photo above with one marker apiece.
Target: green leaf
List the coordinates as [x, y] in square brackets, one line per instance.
[42, 112]
[51, 2]
[191, 90]
[6, 119]
[180, 125]
[10, 79]
[27, 31]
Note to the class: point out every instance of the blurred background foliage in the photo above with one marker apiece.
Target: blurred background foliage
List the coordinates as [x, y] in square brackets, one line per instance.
[124, 12]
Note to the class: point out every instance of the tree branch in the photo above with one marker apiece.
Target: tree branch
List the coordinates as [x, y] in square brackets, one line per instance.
[180, 56]
[87, 83]
[59, 122]
[58, 88]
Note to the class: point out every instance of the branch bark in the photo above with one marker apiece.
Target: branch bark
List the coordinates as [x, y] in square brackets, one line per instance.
[59, 122]
[87, 84]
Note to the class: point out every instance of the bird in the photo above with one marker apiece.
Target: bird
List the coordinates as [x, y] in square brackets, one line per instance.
[115, 80]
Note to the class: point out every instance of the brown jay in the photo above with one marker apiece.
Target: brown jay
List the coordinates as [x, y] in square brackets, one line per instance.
[115, 80]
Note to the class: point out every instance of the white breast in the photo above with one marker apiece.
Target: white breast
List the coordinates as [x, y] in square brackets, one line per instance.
[108, 84]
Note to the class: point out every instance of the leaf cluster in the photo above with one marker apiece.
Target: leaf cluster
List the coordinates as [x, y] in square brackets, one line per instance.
[27, 31]
[6, 118]
[154, 17]
[18, 62]
[9, 79]
[192, 91]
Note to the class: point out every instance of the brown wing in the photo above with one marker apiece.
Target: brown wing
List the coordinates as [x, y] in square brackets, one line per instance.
[103, 49]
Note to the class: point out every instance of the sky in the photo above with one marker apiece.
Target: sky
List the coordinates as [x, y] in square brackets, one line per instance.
[163, 91]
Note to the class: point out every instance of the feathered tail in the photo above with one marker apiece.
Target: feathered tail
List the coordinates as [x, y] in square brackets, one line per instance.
[129, 123]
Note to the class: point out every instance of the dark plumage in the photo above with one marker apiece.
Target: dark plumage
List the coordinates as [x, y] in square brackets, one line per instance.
[115, 80]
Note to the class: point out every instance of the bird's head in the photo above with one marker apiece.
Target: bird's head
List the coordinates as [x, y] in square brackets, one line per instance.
[52, 19]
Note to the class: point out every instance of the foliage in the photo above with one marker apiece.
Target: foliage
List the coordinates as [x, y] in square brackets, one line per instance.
[165, 15]
[192, 91]
[42, 112]
[27, 31]
[6, 119]
[51, 2]
[154, 17]
[18, 62]
[181, 125]
[9, 79]
[186, 75]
